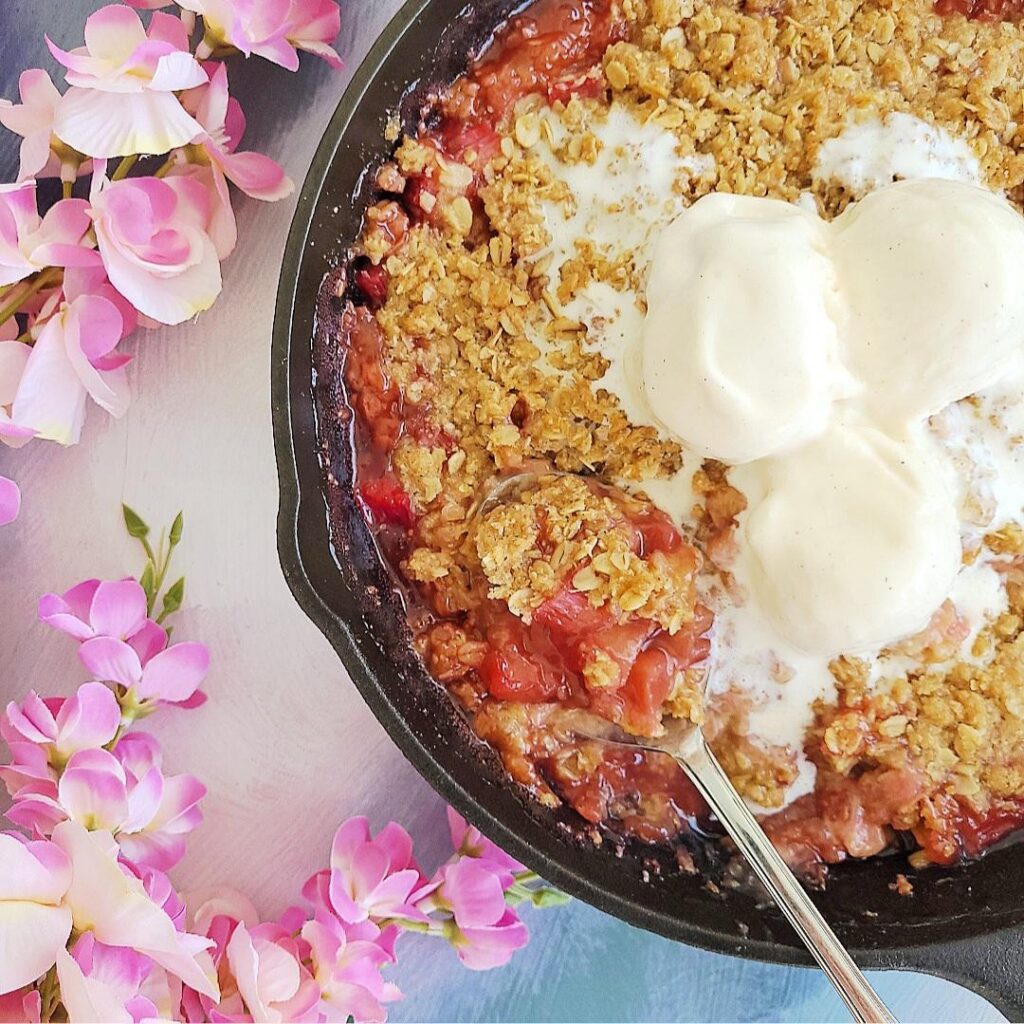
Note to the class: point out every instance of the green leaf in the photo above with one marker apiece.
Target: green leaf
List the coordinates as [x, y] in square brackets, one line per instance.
[176, 527]
[173, 598]
[134, 523]
[550, 898]
[148, 583]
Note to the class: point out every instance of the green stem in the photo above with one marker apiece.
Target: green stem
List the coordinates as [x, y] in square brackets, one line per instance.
[126, 164]
[32, 285]
[163, 170]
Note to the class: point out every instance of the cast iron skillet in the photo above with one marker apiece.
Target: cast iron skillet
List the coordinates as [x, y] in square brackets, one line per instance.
[966, 925]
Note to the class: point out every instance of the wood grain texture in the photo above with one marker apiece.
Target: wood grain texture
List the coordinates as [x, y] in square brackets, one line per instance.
[285, 745]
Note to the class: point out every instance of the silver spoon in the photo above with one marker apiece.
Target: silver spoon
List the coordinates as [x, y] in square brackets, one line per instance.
[685, 743]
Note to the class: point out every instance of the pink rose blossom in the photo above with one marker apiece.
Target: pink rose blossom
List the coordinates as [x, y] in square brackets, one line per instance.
[123, 83]
[370, 877]
[486, 931]
[150, 671]
[115, 608]
[23, 1006]
[154, 241]
[34, 919]
[29, 243]
[72, 359]
[112, 983]
[10, 501]
[312, 25]
[223, 126]
[346, 965]
[32, 119]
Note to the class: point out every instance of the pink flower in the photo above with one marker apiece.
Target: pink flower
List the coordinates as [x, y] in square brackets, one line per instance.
[253, 26]
[161, 809]
[10, 501]
[21, 1007]
[260, 967]
[370, 877]
[486, 931]
[59, 728]
[312, 25]
[112, 904]
[111, 983]
[124, 793]
[29, 243]
[32, 119]
[470, 842]
[223, 126]
[150, 671]
[154, 241]
[34, 919]
[123, 84]
[346, 966]
[73, 359]
[114, 608]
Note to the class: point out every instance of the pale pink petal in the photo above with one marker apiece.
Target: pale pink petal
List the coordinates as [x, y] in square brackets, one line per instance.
[51, 399]
[13, 359]
[482, 949]
[148, 5]
[474, 893]
[313, 26]
[222, 229]
[174, 674]
[88, 719]
[172, 300]
[176, 71]
[93, 323]
[396, 843]
[144, 800]
[92, 790]
[106, 901]
[350, 836]
[118, 608]
[35, 872]
[256, 175]
[111, 660]
[69, 611]
[113, 32]
[102, 124]
[10, 501]
[23, 1006]
[31, 936]
[33, 719]
[149, 641]
[168, 29]
[86, 999]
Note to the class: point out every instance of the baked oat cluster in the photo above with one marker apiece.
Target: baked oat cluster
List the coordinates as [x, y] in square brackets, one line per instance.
[477, 354]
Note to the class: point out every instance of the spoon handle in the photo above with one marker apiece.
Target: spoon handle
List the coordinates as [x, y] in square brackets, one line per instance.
[792, 899]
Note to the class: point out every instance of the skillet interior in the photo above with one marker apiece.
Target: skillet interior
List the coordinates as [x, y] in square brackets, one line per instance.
[333, 567]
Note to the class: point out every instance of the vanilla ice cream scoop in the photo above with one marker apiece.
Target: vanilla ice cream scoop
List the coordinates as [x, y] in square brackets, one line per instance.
[931, 275]
[814, 352]
[740, 349]
[851, 541]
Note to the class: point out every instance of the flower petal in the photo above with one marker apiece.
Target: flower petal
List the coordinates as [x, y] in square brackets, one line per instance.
[88, 719]
[256, 175]
[102, 124]
[86, 999]
[31, 936]
[105, 900]
[10, 501]
[35, 872]
[174, 674]
[118, 608]
[111, 660]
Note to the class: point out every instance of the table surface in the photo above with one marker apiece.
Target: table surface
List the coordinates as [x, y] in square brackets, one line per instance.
[285, 744]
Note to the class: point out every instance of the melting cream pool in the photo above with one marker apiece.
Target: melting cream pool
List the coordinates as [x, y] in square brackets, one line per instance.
[834, 448]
